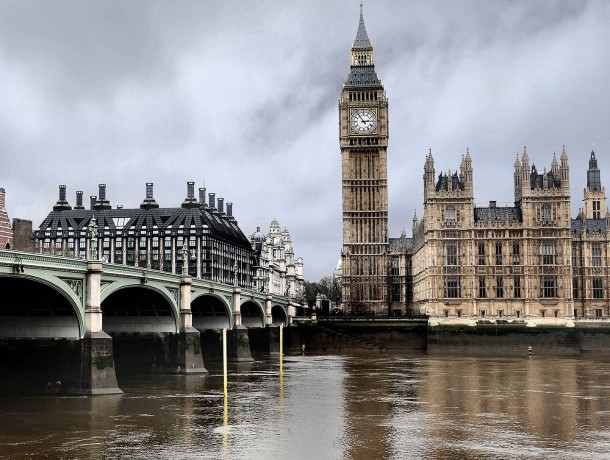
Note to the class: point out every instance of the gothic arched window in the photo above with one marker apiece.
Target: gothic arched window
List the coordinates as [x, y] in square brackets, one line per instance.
[450, 215]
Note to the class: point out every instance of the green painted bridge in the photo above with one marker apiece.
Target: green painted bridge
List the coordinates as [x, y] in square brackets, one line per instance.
[46, 298]
[64, 297]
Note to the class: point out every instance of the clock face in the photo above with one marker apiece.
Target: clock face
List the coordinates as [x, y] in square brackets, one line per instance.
[363, 121]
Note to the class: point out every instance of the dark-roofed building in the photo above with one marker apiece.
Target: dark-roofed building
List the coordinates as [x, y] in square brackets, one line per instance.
[152, 237]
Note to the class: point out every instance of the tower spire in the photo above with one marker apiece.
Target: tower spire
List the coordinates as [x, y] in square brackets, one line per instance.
[362, 55]
[362, 38]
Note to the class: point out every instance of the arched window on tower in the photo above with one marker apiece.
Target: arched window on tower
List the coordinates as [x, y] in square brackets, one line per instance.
[545, 214]
[450, 215]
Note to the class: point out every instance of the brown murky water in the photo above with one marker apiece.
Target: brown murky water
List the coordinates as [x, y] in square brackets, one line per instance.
[361, 406]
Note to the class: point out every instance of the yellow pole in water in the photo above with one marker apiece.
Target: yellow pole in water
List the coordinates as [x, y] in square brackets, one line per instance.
[281, 362]
[281, 345]
[224, 359]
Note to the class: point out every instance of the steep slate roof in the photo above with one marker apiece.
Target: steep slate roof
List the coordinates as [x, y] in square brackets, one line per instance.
[398, 243]
[361, 75]
[362, 38]
[591, 226]
[190, 215]
[503, 214]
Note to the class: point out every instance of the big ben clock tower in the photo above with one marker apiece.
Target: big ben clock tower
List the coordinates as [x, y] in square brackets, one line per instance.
[363, 121]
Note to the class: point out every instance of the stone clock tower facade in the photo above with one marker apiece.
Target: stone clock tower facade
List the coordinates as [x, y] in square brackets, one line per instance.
[363, 120]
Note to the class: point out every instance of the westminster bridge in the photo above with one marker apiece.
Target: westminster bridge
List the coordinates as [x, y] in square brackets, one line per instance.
[51, 303]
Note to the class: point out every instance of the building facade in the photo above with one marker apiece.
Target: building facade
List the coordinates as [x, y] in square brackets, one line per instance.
[276, 270]
[590, 245]
[6, 231]
[494, 261]
[363, 134]
[199, 236]
[526, 259]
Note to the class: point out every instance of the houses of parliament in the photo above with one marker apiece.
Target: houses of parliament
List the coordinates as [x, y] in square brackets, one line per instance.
[527, 260]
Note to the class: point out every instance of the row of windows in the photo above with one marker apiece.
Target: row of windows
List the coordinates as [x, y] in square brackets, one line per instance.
[548, 287]
[547, 254]
[596, 255]
[219, 261]
[362, 95]
[597, 288]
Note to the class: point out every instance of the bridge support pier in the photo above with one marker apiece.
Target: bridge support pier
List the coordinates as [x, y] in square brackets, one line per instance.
[97, 375]
[268, 315]
[189, 359]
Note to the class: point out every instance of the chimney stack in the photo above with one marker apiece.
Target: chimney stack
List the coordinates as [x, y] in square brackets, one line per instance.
[62, 204]
[149, 202]
[202, 197]
[190, 200]
[79, 200]
[93, 200]
[221, 205]
[212, 200]
[230, 209]
[102, 202]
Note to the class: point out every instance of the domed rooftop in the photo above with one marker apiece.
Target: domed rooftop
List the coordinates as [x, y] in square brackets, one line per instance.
[258, 236]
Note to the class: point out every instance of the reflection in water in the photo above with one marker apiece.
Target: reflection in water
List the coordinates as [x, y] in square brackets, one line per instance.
[360, 406]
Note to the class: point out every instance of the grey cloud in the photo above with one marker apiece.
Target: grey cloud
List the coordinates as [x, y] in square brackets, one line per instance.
[243, 96]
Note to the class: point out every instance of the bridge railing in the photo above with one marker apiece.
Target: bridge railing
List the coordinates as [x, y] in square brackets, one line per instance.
[33, 260]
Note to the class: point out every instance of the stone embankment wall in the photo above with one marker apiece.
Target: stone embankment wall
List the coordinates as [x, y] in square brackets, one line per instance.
[334, 337]
[500, 338]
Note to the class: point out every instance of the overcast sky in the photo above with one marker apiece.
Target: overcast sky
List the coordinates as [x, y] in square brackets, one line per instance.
[242, 96]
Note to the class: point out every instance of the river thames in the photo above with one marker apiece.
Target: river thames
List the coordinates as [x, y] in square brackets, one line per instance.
[351, 406]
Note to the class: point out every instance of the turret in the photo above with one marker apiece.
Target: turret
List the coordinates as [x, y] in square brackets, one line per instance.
[594, 183]
[518, 177]
[594, 193]
[429, 174]
[466, 171]
[565, 170]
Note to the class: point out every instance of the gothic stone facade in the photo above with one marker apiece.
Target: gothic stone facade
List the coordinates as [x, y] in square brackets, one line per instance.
[529, 259]
[363, 134]
[499, 261]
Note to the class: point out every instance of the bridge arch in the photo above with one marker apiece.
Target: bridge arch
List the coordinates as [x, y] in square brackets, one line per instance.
[40, 308]
[279, 316]
[252, 314]
[131, 307]
[211, 311]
